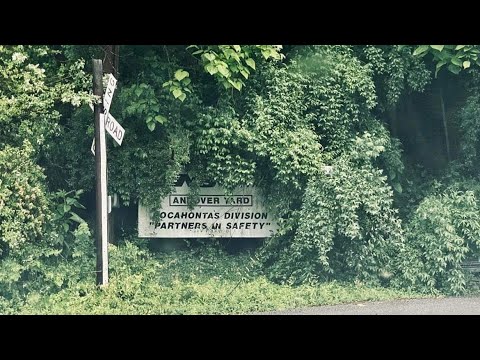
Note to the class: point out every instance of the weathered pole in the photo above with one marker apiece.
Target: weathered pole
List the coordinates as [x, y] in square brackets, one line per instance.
[100, 177]
[110, 66]
[111, 59]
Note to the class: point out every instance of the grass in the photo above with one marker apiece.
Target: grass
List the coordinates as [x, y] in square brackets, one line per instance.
[192, 282]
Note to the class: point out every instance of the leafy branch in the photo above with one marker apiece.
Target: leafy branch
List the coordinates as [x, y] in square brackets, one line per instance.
[229, 64]
[455, 57]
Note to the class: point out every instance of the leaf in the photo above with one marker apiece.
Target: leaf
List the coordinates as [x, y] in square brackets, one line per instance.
[236, 57]
[237, 48]
[225, 84]
[223, 70]
[397, 187]
[60, 239]
[65, 227]
[182, 97]
[177, 92]
[138, 91]
[181, 74]
[212, 69]
[244, 73]
[76, 218]
[444, 55]
[236, 84]
[160, 119]
[420, 50]
[66, 208]
[151, 125]
[250, 62]
[227, 52]
[78, 205]
[454, 68]
[209, 56]
[197, 52]
[186, 81]
[459, 47]
[456, 61]
[437, 47]
[466, 64]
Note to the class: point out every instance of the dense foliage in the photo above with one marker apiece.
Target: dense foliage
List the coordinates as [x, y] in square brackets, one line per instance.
[443, 232]
[347, 228]
[364, 155]
[202, 280]
[24, 208]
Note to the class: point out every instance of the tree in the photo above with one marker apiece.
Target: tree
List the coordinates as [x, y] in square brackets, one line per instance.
[39, 87]
[456, 58]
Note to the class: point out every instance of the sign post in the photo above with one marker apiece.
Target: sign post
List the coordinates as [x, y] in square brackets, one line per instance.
[100, 176]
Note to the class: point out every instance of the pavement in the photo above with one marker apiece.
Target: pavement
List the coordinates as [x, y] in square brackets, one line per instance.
[440, 306]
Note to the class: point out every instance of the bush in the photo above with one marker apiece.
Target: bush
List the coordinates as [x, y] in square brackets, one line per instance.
[24, 209]
[443, 232]
[38, 230]
[348, 227]
[40, 268]
[200, 281]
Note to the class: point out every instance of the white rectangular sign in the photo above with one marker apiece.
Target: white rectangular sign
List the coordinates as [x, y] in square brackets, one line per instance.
[113, 127]
[107, 98]
[242, 215]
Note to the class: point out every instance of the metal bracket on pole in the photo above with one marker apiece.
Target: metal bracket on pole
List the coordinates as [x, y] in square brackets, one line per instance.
[109, 204]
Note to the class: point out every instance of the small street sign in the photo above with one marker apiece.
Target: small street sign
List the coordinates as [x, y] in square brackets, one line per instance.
[107, 98]
[113, 127]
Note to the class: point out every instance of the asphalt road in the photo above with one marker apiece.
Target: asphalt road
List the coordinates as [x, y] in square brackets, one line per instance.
[444, 306]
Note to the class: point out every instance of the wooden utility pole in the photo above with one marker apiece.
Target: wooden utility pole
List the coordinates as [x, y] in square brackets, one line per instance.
[111, 64]
[100, 176]
[111, 57]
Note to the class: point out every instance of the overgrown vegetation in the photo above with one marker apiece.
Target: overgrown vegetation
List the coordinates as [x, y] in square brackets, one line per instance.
[443, 232]
[204, 280]
[348, 228]
[364, 155]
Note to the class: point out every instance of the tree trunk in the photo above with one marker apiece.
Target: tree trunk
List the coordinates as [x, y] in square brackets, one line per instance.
[392, 112]
[445, 127]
